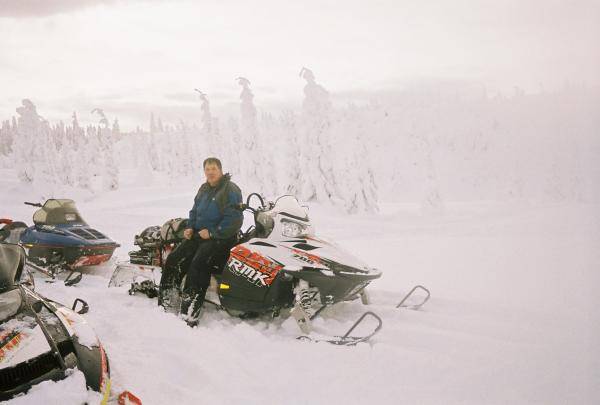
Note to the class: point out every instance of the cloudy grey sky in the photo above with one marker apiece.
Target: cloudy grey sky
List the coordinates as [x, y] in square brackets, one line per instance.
[132, 57]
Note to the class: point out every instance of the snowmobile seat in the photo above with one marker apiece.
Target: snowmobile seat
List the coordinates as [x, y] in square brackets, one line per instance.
[12, 261]
[11, 232]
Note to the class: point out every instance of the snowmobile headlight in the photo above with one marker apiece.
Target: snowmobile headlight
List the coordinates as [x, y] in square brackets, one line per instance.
[292, 229]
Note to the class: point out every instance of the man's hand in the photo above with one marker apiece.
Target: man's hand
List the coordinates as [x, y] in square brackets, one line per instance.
[204, 234]
[188, 233]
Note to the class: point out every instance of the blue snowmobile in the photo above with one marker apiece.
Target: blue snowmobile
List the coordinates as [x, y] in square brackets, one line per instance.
[59, 241]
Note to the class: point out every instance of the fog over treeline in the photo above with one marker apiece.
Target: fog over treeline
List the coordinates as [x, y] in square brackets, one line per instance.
[155, 53]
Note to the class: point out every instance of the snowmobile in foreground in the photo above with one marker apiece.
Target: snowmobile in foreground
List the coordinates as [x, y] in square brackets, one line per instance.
[60, 241]
[41, 339]
[277, 264]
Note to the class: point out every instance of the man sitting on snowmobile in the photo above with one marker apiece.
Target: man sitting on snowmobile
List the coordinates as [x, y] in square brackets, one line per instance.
[212, 229]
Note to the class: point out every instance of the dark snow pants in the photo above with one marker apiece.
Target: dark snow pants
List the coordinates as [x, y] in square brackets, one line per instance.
[198, 259]
[209, 257]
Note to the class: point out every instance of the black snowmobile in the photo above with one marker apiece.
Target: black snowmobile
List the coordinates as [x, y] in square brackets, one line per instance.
[276, 264]
[59, 241]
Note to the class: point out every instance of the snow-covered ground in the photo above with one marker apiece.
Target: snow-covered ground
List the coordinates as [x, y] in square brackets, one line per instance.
[513, 316]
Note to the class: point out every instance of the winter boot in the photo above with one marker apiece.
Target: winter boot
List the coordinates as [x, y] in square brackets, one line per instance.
[169, 299]
[191, 305]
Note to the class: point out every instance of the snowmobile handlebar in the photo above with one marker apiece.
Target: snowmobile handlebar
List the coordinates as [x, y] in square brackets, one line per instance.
[262, 201]
[33, 204]
[247, 206]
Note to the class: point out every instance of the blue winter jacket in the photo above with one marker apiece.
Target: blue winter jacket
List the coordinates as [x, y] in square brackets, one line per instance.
[217, 209]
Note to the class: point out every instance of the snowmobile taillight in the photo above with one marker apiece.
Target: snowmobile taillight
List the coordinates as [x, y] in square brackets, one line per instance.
[5, 221]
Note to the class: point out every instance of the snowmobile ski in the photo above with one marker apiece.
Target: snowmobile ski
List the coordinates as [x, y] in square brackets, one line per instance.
[127, 273]
[415, 307]
[347, 339]
[73, 277]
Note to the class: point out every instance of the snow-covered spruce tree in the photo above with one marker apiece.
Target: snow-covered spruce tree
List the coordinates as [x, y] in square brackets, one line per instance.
[357, 185]
[210, 138]
[315, 152]
[187, 155]
[116, 130]
[274, 156]
[285, 133]
[431, 202]
[152, 158]
[110, 176]
[109, 170]
[6, 138]
[47, 157]
[26, 141]
[94, 157]
[75, 154]
[63, 161]
[232, 153]
[254, 156]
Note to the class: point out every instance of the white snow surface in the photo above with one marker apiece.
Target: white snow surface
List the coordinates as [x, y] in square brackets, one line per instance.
[513, 316]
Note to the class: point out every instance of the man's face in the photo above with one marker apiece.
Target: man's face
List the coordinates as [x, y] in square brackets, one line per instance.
[213, 173]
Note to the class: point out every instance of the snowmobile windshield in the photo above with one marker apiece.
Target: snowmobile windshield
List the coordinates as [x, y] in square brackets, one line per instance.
[288, 206]
[56, 212]
[294, 220]
[12, 258]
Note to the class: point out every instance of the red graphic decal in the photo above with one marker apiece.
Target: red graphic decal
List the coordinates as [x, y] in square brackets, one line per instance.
[313, 258]
[12, 343]
[91, 260]
[255, 267]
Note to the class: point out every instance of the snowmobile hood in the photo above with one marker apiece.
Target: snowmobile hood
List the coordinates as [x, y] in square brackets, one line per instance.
[296, 254]
[65, 235]
[289, 238]
[21, 340]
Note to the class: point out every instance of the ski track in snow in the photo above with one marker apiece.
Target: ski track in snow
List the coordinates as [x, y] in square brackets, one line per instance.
[512, 318]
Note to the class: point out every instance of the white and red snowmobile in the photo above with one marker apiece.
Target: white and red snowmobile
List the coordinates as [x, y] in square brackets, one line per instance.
[276, 264]
[43, 340]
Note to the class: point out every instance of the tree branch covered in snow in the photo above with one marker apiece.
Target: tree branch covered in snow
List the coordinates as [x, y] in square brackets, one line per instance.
[425, 144]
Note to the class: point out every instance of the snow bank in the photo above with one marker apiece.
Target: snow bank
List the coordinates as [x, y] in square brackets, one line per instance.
[512, 318]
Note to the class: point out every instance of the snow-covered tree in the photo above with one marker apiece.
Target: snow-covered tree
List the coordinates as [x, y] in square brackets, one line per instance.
[26, 143]
[317, 182]
[205, 116]
[6, 138]
[116, 129]
[103, 120]
[251, 164]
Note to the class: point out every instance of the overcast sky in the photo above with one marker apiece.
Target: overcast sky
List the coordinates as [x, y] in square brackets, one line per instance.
[132, 57]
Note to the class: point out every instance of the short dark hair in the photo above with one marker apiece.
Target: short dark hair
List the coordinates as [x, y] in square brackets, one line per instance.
[212, 161]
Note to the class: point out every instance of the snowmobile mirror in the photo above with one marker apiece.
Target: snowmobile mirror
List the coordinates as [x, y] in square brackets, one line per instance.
[37, 306]
[33, 204]
[84, 306]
